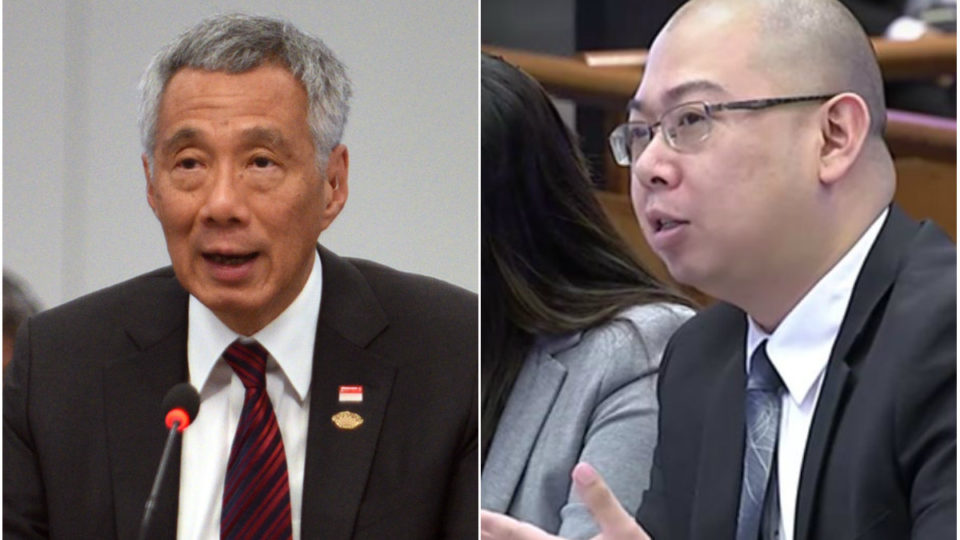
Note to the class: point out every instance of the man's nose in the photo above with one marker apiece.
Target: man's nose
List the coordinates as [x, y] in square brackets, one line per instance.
[656, 168]
[225, 199]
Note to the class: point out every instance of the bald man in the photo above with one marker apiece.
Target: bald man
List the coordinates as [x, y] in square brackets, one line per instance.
[817, 399]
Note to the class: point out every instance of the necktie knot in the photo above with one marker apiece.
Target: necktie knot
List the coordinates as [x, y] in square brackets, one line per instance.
[762, 376]
[249, 361]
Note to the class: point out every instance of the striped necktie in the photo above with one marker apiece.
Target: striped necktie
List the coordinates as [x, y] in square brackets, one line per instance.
[762, 408]
[256, 493]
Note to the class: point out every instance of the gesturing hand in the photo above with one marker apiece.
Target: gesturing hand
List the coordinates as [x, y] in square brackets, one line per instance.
[614, 522]
[494, 526]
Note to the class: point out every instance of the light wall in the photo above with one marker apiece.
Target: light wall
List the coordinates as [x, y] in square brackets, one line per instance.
[75, 217]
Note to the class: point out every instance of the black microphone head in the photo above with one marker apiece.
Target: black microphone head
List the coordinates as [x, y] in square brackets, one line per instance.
[182, 396]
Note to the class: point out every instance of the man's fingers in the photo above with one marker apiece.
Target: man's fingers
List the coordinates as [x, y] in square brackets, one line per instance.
[494, 526]
[605, 508]
[614, 522]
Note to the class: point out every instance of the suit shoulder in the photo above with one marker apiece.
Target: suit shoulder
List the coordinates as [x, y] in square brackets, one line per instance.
[145, 293]
[923, 291]
[413, 291]
[710, 324]
[108, 323]
[929, 265]
[693, 348]
[424, 312]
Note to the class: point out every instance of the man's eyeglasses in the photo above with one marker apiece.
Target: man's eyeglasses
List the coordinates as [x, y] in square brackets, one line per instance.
[685, 126]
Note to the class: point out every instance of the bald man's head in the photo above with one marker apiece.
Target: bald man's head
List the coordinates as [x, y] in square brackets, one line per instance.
[805, 46]
[758, 123]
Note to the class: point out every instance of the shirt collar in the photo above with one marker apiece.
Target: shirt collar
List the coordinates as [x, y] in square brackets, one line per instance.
[289, 338]
[799, 348]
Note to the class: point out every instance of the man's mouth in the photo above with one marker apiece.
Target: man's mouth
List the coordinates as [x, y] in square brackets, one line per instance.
[230, 259]
[664, 224]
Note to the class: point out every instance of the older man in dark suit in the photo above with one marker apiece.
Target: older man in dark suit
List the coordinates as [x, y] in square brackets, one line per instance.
[338, 396]
[818, 398]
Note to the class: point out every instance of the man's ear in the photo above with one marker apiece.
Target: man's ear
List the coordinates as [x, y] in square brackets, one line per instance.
[844, 128]
[151, 190]
[335, 187]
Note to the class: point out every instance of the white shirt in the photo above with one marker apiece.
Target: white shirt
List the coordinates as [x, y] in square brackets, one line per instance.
[206, 443]
[799, 349]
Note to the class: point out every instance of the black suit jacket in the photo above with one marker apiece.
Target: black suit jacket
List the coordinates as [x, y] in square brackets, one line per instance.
[880, 460]
[83, 426]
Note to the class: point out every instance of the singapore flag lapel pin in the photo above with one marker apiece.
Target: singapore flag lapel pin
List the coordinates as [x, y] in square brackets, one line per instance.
[348, 419]
[351, 394]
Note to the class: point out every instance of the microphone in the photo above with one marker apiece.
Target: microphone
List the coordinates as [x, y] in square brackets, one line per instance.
[181, 403]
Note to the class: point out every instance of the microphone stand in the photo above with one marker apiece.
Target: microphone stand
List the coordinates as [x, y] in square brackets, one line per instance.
[152, 499]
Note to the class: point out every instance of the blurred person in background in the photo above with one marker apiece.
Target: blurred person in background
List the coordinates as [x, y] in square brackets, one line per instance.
[18, 304]
[573, 326]
[909, 20]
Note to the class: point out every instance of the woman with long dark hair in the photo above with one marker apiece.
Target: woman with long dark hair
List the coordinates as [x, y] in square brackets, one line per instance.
[573, 326]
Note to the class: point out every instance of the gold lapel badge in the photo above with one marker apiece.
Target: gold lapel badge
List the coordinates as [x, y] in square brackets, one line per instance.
[347, 420]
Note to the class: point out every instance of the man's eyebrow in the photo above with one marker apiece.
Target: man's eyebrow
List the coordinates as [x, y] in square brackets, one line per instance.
[262, 136]
[178, 139]
[255, 136]
[677, 93]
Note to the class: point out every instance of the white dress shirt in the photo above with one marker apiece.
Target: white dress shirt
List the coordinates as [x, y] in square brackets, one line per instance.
[206, 443]
[799, 349]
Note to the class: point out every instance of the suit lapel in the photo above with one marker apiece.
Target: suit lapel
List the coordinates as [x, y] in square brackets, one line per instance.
[338, 460]
[717, 495]
[873, 283]
[520, 425]
[134, 387]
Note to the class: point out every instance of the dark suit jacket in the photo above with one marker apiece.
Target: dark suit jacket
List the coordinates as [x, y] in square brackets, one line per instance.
[880, 461]
[83, 426]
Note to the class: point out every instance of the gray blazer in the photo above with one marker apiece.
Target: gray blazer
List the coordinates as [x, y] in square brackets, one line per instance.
[590, 396]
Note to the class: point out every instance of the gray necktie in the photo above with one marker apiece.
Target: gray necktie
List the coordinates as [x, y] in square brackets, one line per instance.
[762, 408]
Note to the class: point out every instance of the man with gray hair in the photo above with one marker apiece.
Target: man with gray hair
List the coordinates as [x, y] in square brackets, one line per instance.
[817, 398]
[337, 396]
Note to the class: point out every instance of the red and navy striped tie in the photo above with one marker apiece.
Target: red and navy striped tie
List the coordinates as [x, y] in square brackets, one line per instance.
[256, 494]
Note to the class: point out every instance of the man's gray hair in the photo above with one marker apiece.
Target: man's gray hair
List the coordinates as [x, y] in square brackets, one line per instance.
[237, 43]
